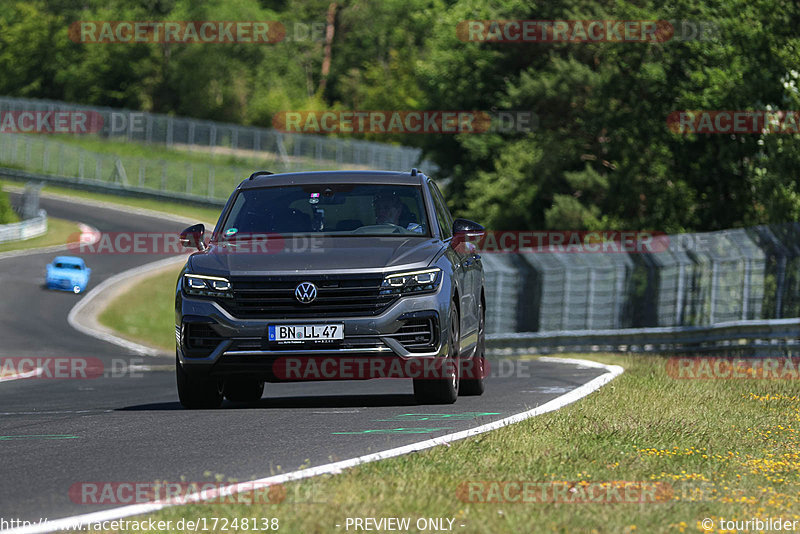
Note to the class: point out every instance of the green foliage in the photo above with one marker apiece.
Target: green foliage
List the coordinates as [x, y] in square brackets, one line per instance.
[7, 214]
[601, 154]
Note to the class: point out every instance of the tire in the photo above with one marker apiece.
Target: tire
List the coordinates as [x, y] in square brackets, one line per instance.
[473, 382]
[243, 389]
[197, 392]
[443, 391]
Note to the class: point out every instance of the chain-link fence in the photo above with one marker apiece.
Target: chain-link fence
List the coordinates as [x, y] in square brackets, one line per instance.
[290, 151]
[692, 280]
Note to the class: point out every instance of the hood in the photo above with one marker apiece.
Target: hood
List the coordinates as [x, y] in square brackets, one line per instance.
[316, 255]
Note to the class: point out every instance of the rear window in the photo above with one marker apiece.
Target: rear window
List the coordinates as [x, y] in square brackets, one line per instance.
[328, 209]
[74, 266]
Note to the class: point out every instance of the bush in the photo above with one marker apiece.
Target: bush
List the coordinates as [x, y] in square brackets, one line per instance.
[7, 214]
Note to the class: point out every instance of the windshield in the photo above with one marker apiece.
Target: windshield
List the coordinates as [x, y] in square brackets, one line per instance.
[328, 209]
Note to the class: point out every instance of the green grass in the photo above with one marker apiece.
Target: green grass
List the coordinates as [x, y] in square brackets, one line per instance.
[209, 215]
[59, 232]
[194, 170]
[717, 448]
[734, 440]
[146, 312]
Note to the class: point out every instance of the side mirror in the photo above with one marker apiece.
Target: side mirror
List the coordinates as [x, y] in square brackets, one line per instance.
[193, 237]
[467, 228]
[464, 232]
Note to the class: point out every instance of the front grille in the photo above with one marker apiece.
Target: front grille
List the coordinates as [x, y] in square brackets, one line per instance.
[337, 296]
[416, 335]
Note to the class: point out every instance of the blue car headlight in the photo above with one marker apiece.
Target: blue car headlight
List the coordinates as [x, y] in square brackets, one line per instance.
[412, 283]
[207, 286]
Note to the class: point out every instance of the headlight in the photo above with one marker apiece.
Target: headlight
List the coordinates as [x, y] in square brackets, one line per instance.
[206, 286]
[412, 283]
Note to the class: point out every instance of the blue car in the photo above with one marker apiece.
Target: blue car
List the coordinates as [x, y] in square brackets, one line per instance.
[67, 273]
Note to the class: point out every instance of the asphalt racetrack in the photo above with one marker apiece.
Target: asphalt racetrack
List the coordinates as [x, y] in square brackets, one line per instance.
[58, 433]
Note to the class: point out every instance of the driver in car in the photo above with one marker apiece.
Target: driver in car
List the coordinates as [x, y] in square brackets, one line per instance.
[389, 210]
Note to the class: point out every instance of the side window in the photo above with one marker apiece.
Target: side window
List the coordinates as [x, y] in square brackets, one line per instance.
[442, 215]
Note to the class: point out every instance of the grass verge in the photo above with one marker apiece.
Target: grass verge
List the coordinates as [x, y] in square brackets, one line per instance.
[146, 312]
[197, 170]
[712, 449]
[58, 233]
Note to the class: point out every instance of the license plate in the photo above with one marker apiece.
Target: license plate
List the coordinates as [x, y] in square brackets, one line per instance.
[299, 333]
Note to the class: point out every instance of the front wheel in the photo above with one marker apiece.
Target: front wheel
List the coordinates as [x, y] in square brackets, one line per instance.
[197, 392]
[443, 390]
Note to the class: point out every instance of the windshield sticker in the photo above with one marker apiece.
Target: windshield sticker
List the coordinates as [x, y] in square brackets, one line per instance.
[314, 199]
[230, 231]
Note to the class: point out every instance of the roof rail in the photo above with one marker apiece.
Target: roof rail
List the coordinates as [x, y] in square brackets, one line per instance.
[260, 173]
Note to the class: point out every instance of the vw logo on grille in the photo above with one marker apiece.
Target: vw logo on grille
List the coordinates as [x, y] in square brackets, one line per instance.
[306, 292]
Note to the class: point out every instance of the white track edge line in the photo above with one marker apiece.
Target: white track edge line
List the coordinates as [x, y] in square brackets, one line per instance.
[76, 310]
[336, 467]
[36, 372]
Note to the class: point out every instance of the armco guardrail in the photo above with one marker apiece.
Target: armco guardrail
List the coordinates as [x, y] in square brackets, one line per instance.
[113, 188]
[26, 229]
[771, 337]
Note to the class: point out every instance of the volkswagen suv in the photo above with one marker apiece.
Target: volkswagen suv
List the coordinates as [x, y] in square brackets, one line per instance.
[336, 275]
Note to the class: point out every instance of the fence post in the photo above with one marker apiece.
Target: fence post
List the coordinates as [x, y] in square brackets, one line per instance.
[590, 301]
[60, 159]
[714, 282]
[746, 289]
[149, 129]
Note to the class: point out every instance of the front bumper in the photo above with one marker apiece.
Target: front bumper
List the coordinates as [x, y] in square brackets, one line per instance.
[234, 346]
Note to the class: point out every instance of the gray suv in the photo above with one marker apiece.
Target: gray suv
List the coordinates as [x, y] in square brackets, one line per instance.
[340, 275]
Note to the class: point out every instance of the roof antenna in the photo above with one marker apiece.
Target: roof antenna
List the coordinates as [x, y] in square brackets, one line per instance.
[414, 171]
[260, 173]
